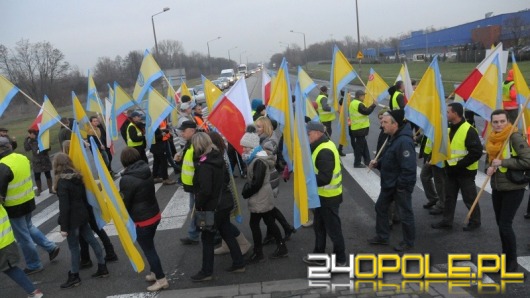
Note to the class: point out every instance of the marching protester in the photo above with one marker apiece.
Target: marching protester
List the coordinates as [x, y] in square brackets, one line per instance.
[397, 166]
[359, 128]
[9, 256]
[95, 133]
[15, 179]
[40, 161]
[3, 133]
[187, 129]
[397, 97]
[135, 134]
[64, 133]
[259, 193]
[507, 194]
[158, 149]
[326, 220]
[211, 195]
[324, 109]
[73, 218]
[197, 116]
[461, 169]
[509, 97]
[138, 193]
[244, 245]
[432, 179]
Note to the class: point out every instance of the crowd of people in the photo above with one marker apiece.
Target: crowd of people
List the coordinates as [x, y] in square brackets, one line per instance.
[205, 166]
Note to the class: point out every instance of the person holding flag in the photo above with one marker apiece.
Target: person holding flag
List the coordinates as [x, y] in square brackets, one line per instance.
[40, 161]
[135, 134]
[397, 98]
[359, 128]
[324, 109]
[326, 221]
[461, 169]
[94, 132]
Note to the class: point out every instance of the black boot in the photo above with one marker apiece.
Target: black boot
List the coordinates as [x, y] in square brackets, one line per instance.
[73, 281]
[110, 255]
[256, 257]
[102, 271]
[340, 151]
[84, 264]
[280, 252]
[288, 232]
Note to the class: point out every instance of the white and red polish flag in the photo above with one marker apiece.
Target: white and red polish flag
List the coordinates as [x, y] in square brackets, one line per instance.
[232, 114]
[265, 86]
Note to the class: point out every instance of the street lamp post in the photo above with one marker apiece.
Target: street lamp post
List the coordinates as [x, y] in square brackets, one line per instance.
[229, 55]
[154, 32]
[208, 46]
[305, 49]
[241, 54]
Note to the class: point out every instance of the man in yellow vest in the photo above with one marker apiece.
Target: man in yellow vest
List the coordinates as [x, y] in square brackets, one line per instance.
[397, 97]
[326, 221]
[188, 129]
[397, 166]
[461, 169]
[16, 190]
[359, 128]
[9, 256]
[509, 97]
[135, 135]
[325, 113]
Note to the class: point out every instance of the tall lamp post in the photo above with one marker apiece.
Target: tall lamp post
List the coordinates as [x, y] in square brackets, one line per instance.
[154, 32]
[229, 63]
[208, 46]
[305, 49]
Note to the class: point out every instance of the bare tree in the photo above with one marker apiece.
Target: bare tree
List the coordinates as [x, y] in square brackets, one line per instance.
[169, 52]
[515, 25]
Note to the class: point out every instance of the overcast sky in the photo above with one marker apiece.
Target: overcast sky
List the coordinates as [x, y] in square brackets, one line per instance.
[86, 30]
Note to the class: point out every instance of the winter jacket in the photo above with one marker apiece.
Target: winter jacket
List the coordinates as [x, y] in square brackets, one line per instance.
[325, 163]
[159, 146]
[138, 191]
[398, 161]
[133, 134]
[270, 145]
[64, 135]
[499, 181]
[40, 161]
[474, 148]
[73, 211]
[400, 99]
[209, 183]
[6, 176]
[258, 188]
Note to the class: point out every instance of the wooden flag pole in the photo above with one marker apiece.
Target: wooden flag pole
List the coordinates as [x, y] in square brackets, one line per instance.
[498, 155]
[379, 153]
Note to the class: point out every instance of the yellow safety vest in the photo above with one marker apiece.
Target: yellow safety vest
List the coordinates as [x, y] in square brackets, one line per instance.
[188, 169]
[131, 143]
[458, 146]
[6, 233]
[358, 120]
[507, 154]
[506, 91]
[395, 105]
[334, 188]
[323, 115]
[428, 147]
[20, 189]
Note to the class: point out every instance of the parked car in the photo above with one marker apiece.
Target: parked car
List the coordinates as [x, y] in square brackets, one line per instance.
[199, 94]
[225, 82]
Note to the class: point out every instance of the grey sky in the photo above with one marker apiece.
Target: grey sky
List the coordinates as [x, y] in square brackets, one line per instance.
[86, 30]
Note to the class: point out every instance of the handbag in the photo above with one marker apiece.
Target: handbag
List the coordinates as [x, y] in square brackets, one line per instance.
[205, 220]
[518, 176]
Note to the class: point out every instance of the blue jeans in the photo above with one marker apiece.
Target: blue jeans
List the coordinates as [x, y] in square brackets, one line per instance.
[326, 222]
[27, 235]
[73, 244]
[403, 201]
[18, 276]
[193, 232]
[145, 237]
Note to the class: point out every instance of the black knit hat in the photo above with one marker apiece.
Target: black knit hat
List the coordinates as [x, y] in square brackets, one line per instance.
[399, 116]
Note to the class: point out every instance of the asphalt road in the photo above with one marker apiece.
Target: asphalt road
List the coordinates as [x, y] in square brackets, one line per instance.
[358, 224]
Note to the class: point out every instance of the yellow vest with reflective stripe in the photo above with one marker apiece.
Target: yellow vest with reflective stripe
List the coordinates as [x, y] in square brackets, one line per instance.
[358, 120]
[188, 169]
[428, 147]
[131, 143]
[323, 115]
[458, 146]
[6, 233]
[20, 189]
[334, 188]
[507, 154]
[506, 91]
[395, 105]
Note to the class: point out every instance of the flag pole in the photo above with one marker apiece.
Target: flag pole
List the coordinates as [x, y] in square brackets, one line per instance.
[514, 125]
[40, 106]
[379, 153]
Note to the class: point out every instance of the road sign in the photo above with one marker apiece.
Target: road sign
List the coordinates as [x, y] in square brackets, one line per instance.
[360, 55]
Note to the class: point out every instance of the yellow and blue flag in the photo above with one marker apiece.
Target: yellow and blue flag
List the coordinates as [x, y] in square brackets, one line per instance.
[80, 116]
[149, 72]
[428, 110]
[121, 101]
[7, 92]
[306, 85]
[122, 221]
[523, 92]
[170, 97]
[157, 110]
[376, 88]
[93, 102]
[79, 158]
[305, 183]
[212, 94]
[280, 108]
[50, 117]
[487, 95]
[344, 117]
[342, 73]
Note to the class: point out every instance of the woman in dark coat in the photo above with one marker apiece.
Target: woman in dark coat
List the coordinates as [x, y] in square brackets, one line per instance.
[138, 192]
[73, 217]
[40, 161]
[212, 194]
